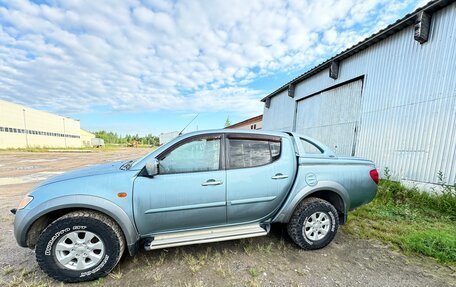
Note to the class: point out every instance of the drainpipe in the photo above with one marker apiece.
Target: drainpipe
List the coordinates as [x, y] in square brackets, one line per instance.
[26, 131]
[295, 113]
[64, 132]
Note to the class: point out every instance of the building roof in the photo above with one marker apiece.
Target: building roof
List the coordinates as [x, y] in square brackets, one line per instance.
[86, 132]
[36, 110]
[246, 122]
[391, 29]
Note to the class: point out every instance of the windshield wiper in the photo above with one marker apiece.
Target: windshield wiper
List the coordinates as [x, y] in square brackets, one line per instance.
[127, 165]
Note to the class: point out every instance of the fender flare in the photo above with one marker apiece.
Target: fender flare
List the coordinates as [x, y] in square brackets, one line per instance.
[290, 205]
[25, 218]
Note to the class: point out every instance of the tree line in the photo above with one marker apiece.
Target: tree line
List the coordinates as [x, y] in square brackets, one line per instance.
[114, 138]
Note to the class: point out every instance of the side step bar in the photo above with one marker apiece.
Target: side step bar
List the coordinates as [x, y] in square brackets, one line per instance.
[205, 236]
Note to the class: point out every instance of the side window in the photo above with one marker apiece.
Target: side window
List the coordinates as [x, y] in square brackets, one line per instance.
[244, 153]
[201, 154]
[310, 148]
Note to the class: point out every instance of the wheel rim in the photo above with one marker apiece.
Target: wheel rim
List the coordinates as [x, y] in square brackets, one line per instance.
[79, 250]
[316, 226]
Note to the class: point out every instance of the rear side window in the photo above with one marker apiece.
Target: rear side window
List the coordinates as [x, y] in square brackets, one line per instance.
[310, 148]
[243, 153]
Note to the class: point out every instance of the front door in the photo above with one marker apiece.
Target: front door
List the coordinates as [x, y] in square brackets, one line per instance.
[188, 192]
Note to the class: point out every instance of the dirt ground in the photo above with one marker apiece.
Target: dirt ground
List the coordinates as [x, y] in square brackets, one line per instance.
[272, 260]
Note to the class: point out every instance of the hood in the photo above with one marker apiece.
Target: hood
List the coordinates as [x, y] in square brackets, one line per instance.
[87, 171]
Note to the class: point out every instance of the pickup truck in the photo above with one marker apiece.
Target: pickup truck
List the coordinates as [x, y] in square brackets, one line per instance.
[201, 187]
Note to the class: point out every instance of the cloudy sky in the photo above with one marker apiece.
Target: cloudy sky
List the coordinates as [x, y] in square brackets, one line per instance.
[150, 66]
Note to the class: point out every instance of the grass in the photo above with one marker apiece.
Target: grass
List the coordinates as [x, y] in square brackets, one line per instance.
[195, 263]
[414, 221]
[22, 277]
[254, 272]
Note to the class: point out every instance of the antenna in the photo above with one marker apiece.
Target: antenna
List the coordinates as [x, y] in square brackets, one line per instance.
[188, 124]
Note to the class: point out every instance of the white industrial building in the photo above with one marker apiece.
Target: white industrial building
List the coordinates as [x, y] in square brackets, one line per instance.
[390, 98]
[23, 127]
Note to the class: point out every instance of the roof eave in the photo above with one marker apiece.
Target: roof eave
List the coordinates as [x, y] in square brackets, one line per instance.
[384, 33]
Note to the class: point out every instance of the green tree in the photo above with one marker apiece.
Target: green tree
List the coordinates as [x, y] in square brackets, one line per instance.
[114, 138]
[227, 122]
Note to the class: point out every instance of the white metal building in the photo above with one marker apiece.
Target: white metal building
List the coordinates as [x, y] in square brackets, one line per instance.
[86, 138]
[390, 98]
[22, 127]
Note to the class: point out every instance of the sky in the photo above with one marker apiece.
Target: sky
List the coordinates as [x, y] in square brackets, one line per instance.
[150, 66]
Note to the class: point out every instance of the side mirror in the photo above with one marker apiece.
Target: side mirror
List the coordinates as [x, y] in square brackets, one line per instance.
[152, 167]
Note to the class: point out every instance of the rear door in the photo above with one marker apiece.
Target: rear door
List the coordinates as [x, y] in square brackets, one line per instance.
[259, 174]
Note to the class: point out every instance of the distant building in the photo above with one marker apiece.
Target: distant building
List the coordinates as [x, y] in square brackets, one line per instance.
[97, 142]
[22, 127]
[86, 138]
[255, 123]
[390, 98]
[167, 137]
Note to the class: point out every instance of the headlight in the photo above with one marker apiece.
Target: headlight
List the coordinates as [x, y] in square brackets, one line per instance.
[25, 201]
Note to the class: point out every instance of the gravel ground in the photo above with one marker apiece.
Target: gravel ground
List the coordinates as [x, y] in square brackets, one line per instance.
[272, 260]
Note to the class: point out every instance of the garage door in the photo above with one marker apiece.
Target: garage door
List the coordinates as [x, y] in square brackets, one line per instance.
[332, 117]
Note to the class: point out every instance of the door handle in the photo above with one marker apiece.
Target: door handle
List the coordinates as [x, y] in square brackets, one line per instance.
[279, 176]
[211, 182]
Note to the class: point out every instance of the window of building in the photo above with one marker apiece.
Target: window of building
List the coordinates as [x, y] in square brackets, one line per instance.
[32, 132]
[243, 153]
[200, 154]
[310, 148]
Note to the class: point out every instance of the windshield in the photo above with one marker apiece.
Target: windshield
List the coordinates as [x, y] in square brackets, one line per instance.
[135, 162]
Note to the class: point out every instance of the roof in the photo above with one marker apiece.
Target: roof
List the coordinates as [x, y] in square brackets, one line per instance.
[87, 132]
[33, 109]
[246, 122]
[391, 29]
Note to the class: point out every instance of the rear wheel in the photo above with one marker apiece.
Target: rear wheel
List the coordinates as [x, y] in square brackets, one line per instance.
[80, 246]
[313, 224]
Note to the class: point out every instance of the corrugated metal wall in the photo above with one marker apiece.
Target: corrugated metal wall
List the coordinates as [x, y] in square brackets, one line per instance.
[274, 118]
[408, 109]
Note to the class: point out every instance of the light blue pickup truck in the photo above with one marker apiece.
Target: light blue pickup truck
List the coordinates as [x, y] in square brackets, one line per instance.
[201, 187]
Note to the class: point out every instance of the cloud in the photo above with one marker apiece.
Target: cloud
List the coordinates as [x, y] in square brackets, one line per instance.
[190, 56]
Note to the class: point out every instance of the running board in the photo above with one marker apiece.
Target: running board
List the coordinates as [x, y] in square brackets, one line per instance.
[205, 236]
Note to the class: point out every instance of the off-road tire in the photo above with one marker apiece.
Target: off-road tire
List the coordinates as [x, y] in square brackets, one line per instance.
[103, 226]
[305, 209]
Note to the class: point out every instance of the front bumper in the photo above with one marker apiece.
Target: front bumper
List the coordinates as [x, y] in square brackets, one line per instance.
[21, 226]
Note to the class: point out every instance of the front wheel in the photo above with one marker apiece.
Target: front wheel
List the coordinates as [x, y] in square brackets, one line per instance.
[80, 246]
[313, 224]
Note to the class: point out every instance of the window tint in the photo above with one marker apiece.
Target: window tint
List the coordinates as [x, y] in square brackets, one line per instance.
[275, 149]
[201, 154]
[310, 148]
[249, 153]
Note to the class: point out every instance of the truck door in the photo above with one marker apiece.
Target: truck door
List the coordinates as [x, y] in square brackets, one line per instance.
[260, 170]
[189, 191]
